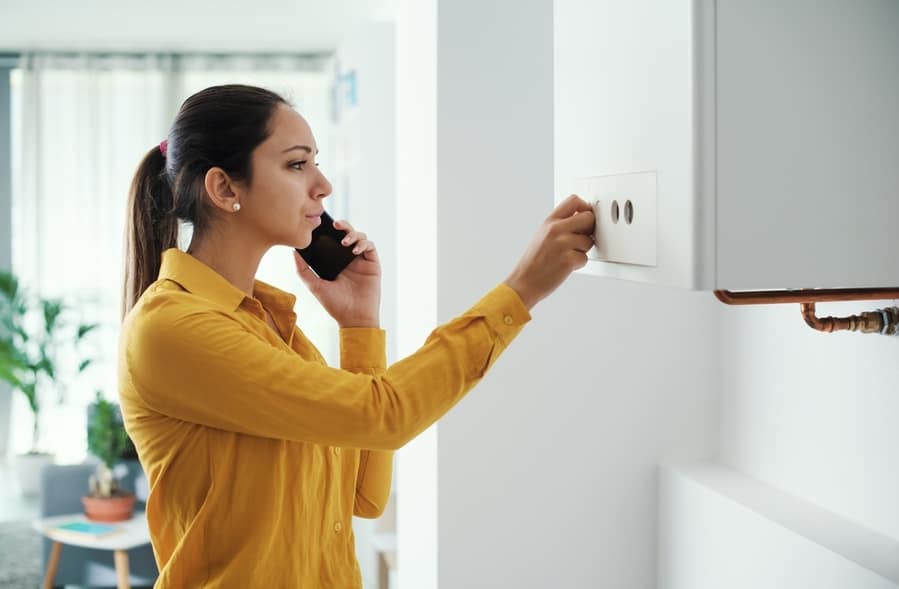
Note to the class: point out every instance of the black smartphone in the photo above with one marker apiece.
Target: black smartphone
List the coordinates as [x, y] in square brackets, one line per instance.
[325, 254]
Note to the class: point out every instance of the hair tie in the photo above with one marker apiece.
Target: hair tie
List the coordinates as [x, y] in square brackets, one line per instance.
[164, 147]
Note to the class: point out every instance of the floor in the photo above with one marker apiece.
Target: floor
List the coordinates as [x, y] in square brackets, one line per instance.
[19, 545]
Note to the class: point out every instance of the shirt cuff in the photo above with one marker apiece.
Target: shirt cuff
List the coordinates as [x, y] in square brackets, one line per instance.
[363, 350]
[504, 311]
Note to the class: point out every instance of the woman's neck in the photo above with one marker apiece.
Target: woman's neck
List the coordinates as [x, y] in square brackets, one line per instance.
[236, 261]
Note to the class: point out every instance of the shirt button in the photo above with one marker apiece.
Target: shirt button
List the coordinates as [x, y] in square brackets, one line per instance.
[337, 527]
[508, 320]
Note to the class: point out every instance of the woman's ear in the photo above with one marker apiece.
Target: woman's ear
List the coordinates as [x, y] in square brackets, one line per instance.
[221, 189]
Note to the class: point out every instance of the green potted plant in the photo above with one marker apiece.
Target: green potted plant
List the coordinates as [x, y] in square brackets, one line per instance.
[37, 336]
[108, 441]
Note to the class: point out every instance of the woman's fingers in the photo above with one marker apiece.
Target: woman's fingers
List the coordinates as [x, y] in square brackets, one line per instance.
[568, 207]
[559, 247]
[357, 239]
[583, 222]
[580, 242]
[363, 246]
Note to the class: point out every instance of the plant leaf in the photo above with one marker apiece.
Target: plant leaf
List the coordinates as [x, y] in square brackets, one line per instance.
[106, 436]
[45, 364]
[12, 363]
[29, 389]
[84, 329]
[52, 309]
[9, 285]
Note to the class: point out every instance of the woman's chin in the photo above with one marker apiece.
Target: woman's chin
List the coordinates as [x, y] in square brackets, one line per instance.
[302, 243]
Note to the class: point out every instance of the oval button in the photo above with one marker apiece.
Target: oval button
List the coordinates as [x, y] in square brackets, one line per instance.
[508, 320]
[337, 527]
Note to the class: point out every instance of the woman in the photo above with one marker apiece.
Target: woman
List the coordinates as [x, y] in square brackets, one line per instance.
[258, 454]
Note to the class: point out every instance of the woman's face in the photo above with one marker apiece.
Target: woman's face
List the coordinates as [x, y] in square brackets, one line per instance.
[284, 201]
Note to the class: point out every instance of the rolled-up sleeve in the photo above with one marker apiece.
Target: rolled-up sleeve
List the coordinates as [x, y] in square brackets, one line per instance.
[203, 366]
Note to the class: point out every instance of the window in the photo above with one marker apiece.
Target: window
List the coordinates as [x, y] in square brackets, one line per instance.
[81, 124]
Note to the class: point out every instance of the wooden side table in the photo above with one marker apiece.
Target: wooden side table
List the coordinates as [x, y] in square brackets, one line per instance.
[134, 533]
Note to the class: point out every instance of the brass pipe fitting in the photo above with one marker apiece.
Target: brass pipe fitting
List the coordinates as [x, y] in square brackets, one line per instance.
[884, 321]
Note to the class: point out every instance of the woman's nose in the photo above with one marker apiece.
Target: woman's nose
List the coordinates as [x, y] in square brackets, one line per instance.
[323, 187]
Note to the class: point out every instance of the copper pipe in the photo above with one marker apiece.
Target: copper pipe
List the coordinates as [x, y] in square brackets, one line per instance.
[885, 321]
[774, 297]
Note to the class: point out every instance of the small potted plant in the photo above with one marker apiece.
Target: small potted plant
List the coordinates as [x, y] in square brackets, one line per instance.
[37, 335]
[108, 441]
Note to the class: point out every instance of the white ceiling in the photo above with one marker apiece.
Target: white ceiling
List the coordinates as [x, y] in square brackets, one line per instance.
[187, 25]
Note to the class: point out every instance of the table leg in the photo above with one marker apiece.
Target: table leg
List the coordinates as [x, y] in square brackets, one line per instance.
[121, 569]
[383, 572]
[52, 565]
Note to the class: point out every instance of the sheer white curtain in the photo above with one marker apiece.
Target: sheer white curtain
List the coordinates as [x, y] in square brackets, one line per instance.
[81, 124]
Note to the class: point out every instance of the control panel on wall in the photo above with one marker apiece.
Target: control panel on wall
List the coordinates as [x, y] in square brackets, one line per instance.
[732, 144]
[625, 208]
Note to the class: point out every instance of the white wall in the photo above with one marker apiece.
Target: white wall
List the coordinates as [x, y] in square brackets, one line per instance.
[624, 85]
[720, 528]
[808, 427]
[364, 179]
[811, 413]
[416, 280]
[547, 471]
[804, 112]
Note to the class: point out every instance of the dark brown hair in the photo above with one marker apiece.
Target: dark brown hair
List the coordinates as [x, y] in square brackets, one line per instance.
[219, 126]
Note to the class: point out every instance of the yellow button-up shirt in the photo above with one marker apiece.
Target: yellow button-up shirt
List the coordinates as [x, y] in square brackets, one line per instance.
[257, 453]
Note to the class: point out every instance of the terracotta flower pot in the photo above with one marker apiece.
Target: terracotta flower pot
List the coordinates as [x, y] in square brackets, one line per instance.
[108, 509]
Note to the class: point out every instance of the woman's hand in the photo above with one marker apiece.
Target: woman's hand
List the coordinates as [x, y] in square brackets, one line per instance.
[559, 248]
[354, 298]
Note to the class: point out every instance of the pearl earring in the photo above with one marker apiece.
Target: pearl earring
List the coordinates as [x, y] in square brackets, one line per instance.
[236, 206]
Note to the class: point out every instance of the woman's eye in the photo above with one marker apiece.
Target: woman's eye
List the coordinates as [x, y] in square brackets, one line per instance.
[299, 165]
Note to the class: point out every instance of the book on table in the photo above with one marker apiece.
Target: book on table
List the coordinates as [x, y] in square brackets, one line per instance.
[85, 530]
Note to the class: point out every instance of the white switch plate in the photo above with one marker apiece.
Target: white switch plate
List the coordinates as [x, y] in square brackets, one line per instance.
[623, 242]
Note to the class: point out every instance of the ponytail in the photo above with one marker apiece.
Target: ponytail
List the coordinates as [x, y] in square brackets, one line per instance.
[151, 226]
[219, 126]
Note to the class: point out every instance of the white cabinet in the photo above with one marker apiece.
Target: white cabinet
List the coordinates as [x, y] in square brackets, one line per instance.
[770, 129]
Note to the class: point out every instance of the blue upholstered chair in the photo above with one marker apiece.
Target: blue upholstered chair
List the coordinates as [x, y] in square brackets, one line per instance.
[62, 489]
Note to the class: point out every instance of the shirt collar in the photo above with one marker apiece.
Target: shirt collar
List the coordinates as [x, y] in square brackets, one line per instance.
[196, 277]
[274, 299]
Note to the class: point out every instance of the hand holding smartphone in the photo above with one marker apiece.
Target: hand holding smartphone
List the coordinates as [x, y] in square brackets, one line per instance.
[325, 254]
